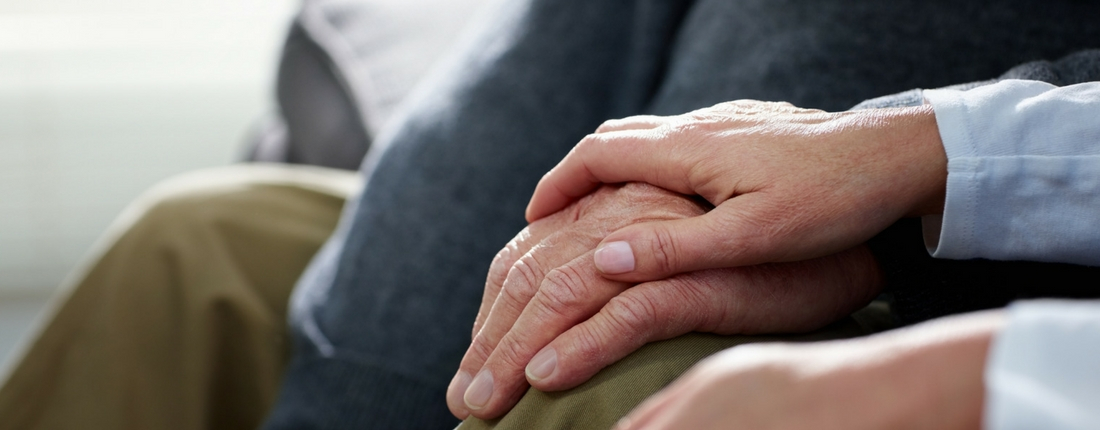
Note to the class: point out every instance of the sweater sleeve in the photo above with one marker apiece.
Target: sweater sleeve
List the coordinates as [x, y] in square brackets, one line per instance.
[1023, 173]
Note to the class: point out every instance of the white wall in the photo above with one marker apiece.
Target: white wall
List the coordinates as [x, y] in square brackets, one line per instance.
[99, 99]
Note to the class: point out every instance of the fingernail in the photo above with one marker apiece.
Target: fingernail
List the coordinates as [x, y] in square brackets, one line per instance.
[480, 390]
[543, 364]
[614, 258]
[458, 388]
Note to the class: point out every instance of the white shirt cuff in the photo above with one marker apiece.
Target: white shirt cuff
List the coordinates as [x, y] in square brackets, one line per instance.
[1023, 178]
[1043, 371]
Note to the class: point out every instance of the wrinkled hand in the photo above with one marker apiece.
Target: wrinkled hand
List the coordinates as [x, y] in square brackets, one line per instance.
[788, 183]
[549, 319]
[925, 377]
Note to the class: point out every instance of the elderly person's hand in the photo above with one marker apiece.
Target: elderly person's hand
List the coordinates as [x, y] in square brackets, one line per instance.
[924, 377]
[549, 319]
[788, 184]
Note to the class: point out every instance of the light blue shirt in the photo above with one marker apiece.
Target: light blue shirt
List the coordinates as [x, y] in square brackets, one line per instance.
[1024, 184]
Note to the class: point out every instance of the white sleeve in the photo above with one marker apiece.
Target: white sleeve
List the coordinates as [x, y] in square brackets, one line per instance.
[1043, 371]
[1023, 178]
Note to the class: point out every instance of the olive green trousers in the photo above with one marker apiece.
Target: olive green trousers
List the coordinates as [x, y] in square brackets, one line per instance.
[178, 319]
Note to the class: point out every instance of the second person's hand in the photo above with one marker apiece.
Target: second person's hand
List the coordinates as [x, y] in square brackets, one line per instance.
[788, 183]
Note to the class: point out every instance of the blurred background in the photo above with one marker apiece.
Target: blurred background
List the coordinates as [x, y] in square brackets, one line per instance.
[100, 99]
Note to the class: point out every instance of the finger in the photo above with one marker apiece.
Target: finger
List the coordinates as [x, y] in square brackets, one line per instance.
[507, 257]
[502, 264]
[518, 288]
[728, 236]
[498, 271]
[637, 122]
[750, 229]
[568, 295]
[613, 157]
[642, 314]
[745, 300]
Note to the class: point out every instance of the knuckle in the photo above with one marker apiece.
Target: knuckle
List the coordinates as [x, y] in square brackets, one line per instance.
[481, 348]
[691, 127]
[512, 302]
[502, 263]
[703, 301]
[589, 344]
[663, 249]
[590, 141]
[523, 278]
[477, 325]
[511, 354]
[563, 290]
[655, 203]
[633, 314]
[607, 125]
[588, 206]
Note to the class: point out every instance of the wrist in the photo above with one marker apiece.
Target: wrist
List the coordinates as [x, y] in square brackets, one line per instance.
[937, 366]
[930, 156]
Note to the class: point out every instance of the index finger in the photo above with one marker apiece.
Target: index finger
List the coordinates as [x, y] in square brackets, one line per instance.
[568, 295]
[642, 155]
[510, 297]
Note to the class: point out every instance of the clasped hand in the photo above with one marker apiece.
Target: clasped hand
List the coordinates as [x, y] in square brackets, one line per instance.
[549, 319]
[788, 195]
[788, 184]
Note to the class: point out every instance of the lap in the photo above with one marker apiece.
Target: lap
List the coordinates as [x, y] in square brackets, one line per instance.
[601, 401]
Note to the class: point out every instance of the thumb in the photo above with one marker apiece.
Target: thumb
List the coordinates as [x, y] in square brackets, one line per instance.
[659, 249]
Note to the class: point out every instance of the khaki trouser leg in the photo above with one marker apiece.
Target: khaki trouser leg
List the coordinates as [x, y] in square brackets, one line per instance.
[178, 322]
[614, 391]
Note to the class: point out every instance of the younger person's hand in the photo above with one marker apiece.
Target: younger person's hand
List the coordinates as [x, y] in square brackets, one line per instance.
[788, 184]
